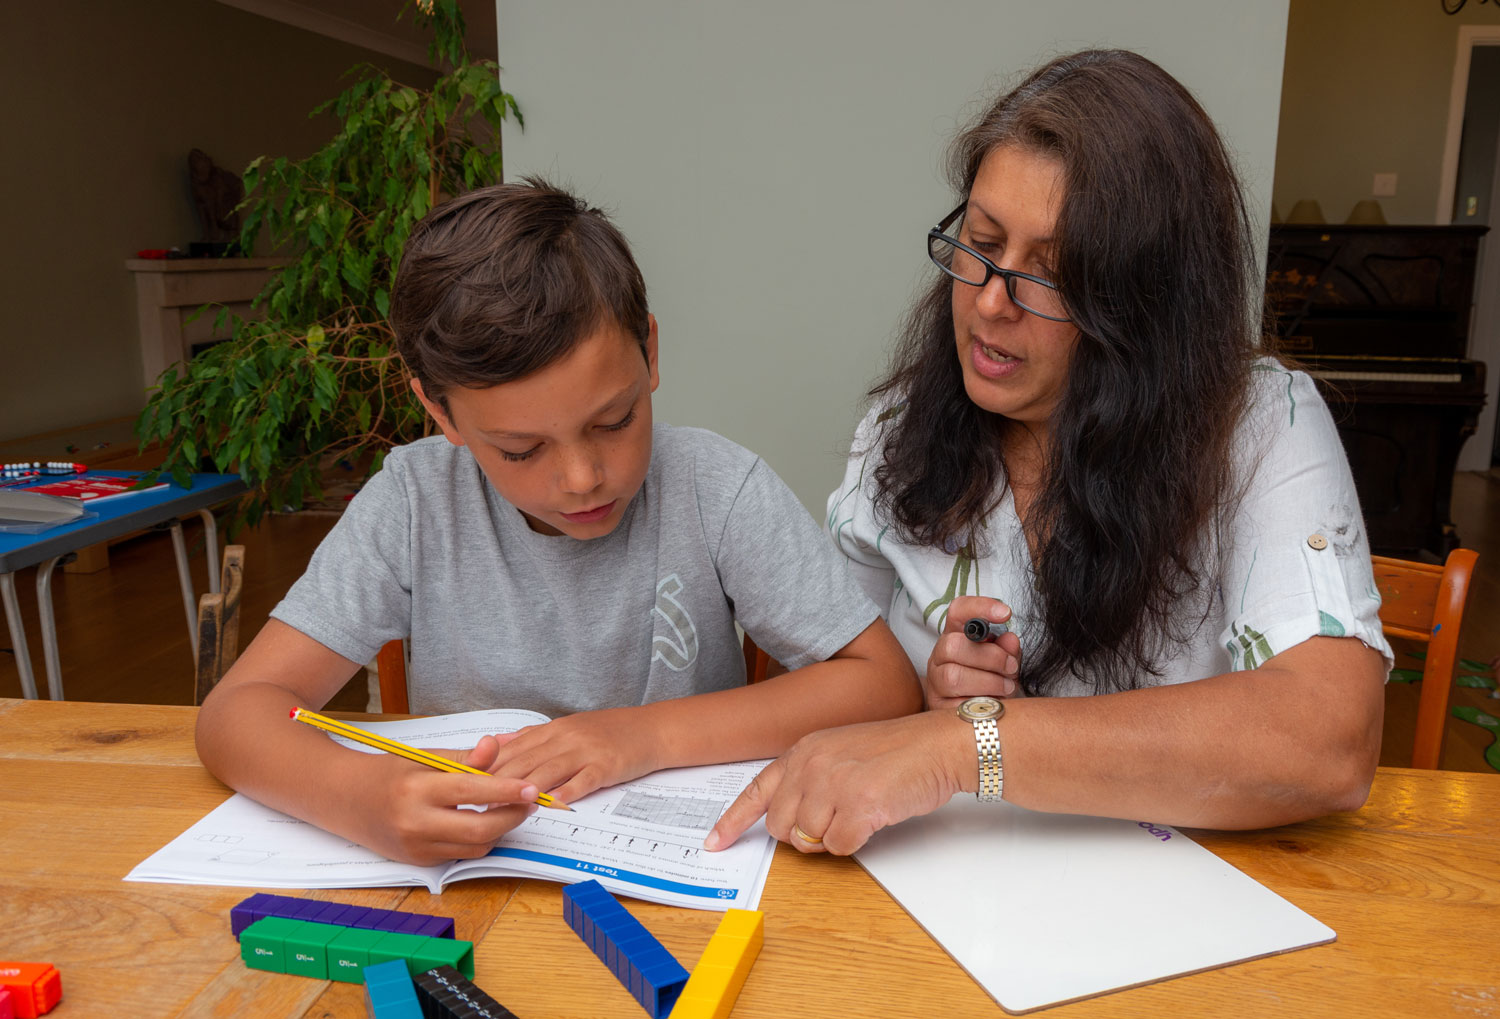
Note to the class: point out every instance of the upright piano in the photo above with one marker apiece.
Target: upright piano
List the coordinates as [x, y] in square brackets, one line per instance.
[1379, 316]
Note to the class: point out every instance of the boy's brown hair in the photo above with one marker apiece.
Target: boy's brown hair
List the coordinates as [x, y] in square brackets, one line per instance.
[504, 280]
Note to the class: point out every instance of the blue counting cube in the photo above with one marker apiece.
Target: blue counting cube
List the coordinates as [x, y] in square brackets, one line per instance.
[389, 993]
[646, 969]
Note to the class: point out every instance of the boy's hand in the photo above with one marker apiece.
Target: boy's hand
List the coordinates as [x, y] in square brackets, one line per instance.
[409, 813]
[958, 668]
[572, 756]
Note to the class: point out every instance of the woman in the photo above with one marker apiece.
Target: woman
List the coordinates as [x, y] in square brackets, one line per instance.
[1080, 436]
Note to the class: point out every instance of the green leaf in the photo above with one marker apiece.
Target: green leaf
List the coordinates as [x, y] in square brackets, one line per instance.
[1474, 682]
[1405, 675]
[1487, 721]
[315, 376]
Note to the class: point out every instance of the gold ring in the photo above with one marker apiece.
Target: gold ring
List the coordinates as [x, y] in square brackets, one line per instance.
[797, 831]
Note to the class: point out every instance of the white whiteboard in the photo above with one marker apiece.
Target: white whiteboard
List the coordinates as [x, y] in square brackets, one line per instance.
[1042, 909]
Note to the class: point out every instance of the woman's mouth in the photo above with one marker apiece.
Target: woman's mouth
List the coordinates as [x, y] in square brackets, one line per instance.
[992, 362]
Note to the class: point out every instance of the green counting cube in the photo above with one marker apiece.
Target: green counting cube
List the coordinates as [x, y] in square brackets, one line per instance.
[263, 943]
[437, 952]
[349, 954]
[307, 949]
[397, 946]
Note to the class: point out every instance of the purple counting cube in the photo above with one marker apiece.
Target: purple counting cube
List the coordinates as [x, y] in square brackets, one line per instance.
[370, 921]
[437, 927]
[411, 923]
[324, 911]
[345, 916]
[248, 911]
[385, 919]
[301, 909]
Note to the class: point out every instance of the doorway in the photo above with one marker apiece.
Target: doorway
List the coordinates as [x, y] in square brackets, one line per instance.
[1471, 188]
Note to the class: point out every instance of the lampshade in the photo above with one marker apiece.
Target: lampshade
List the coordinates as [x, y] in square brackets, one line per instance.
[1366, 212]
[1306, 211]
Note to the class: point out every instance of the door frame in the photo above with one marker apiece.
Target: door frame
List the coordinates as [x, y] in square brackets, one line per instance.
[1484, 325]
[1469, 36]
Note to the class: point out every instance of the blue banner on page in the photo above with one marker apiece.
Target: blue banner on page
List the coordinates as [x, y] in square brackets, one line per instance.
[627, 876]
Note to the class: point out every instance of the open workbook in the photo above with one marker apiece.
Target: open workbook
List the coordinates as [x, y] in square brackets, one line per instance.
[641, 839]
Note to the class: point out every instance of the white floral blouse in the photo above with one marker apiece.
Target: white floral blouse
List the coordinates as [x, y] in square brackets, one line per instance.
[1294, 561]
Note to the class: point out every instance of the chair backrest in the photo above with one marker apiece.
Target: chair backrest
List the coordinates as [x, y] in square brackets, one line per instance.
[1425, 603]
[219, 624]
[390, 663]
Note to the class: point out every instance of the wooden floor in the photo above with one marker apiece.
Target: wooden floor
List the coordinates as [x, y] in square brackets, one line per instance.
[124, 636]
[122, 632]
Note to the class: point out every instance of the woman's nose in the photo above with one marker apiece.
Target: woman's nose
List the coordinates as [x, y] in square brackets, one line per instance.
[994, 300]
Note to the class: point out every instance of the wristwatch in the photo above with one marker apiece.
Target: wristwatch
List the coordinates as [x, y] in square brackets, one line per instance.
[983, 712]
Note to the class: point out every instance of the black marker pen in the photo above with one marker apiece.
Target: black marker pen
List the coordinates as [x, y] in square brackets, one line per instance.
[981, 630]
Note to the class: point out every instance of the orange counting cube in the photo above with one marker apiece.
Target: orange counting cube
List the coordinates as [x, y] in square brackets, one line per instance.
[35, 987]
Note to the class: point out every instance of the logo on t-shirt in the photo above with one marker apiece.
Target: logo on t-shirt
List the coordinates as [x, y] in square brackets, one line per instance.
[675, 643]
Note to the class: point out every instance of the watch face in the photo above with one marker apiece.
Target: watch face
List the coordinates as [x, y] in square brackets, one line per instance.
[979, 708]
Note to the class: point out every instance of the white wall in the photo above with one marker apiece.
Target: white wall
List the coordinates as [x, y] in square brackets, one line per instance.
[777, 164]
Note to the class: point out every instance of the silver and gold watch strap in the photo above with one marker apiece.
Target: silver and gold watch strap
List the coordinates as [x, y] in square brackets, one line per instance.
[983, 712]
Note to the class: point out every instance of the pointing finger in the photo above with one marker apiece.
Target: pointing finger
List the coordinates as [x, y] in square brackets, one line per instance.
[747, 808]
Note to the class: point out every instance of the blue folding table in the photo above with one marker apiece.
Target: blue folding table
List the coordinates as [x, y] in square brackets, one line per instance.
[112, 517]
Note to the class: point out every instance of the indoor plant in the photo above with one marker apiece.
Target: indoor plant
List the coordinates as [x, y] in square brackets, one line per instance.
[317, 380]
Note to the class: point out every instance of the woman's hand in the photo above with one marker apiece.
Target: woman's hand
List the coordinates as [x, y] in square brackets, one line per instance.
[572, 756]
[836, 788]
[958, 668]
[410, 813]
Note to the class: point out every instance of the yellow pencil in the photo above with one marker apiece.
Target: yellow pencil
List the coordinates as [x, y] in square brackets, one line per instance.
[391, 746]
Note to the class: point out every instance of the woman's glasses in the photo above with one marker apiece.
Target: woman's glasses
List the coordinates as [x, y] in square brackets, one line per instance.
[963, 263]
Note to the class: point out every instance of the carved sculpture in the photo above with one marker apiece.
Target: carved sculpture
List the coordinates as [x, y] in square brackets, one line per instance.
[217, 193]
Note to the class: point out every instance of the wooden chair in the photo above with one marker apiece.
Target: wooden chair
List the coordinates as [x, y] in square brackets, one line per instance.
[219, 624]
[1425, 603]
[390, 663]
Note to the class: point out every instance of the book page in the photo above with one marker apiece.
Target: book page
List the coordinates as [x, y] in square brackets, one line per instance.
[641, 839]
[644, 839]
[242, 843]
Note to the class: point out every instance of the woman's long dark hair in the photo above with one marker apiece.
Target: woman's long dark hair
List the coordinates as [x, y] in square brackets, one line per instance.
[1154, 257]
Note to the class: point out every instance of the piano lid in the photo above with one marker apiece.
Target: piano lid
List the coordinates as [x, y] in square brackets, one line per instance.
[1372, 290]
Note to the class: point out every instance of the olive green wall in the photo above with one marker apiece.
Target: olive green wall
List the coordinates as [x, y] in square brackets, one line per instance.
[1366, 91]
[104, 98]
[776, 166]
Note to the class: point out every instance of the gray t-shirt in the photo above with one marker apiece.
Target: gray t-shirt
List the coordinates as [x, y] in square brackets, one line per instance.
[500, 616]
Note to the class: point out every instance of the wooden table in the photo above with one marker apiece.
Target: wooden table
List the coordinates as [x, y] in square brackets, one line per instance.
[1411, 883]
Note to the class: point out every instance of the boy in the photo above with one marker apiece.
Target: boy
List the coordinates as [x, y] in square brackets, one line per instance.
[551, 550]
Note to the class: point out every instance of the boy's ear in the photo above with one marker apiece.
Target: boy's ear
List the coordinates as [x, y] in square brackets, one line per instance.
[651, 351]
[435, 409]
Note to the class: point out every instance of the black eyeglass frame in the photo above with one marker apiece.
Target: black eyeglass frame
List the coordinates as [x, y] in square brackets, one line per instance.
[991, 270]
